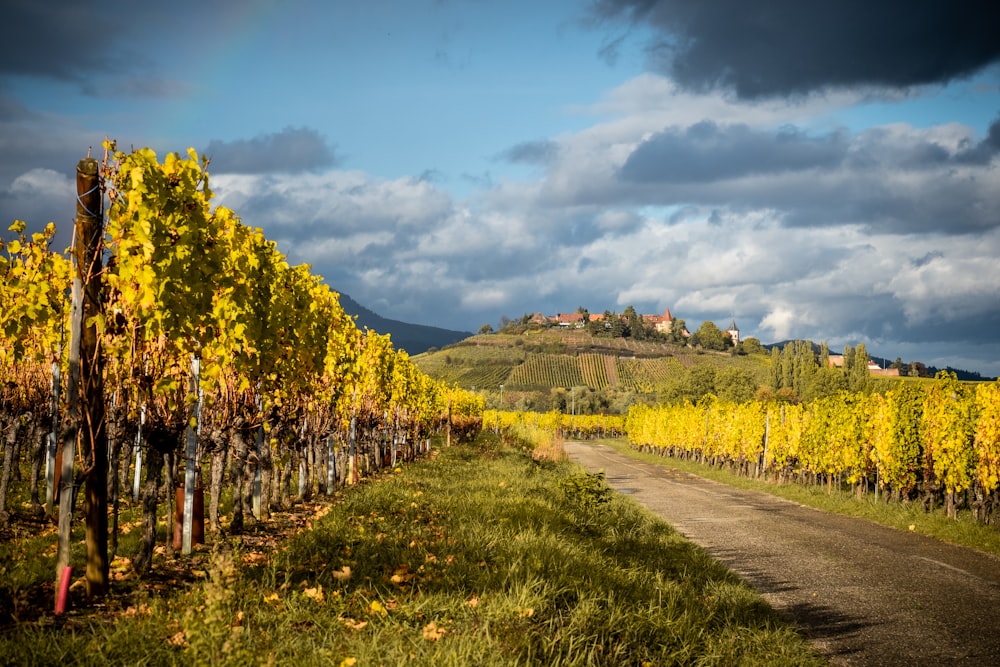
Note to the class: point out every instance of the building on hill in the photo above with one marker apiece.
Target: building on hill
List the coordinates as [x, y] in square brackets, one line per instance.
[662, 323]
[734, 333]
[569, 320]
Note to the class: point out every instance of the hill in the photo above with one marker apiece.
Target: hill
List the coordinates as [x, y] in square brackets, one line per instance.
[414, 338]
[546, 369]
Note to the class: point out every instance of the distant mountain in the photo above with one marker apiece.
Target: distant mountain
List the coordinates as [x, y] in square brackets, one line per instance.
[414, 338]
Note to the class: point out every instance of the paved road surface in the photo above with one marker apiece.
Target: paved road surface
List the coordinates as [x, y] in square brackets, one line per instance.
[864, 594]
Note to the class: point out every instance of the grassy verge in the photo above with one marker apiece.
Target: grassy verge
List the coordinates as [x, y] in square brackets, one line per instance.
[470, 559]
[965, 531]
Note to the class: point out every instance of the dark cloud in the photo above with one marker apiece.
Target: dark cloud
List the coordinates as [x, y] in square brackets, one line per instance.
[983, 152]
[290, 151]
[709, 152]
[57, 39]
[786, 47]
[532, 152]
[918, 262]
[101, 47]
[884, 179]
[974, 329]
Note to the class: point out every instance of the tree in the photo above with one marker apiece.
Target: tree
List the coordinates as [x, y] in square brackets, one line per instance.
[735, 384]
[824, 382]
[613, 324]
[806, 365]
[774, 374]
[856, 368]
[710, 337]
[752, 346]
[635, 324]
[486, 329]
[788, 366]
[678, 332]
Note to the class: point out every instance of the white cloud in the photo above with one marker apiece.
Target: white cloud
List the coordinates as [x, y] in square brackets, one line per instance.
[485, 297]
[42, 183]
[841, 254]
[782, 321]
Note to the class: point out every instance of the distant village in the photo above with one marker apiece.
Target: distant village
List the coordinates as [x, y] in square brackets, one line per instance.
[661, 323]
[664, 324]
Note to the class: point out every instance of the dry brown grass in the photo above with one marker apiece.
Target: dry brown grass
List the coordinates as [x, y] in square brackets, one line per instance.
[551, 451]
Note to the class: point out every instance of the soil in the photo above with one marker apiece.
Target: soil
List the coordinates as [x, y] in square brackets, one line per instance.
[863, 594]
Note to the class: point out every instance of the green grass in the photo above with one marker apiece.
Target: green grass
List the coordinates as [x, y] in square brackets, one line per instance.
[964, 530]
[480, 557]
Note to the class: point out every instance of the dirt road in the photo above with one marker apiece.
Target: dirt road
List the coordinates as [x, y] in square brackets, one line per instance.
[864, 594]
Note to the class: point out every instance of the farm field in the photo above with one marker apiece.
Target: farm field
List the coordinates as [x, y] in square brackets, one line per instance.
[542, 360]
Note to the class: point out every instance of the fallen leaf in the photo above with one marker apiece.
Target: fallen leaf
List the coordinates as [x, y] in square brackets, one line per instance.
[141, 610]
[401, 575]
[432, 632]
[315, 593]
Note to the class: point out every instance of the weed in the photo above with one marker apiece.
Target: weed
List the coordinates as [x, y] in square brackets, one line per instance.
[587, 490]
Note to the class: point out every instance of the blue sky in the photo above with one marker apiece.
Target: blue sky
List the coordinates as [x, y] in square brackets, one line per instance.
[827, 173]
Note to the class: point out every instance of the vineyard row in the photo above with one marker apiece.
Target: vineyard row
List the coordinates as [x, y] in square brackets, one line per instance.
[936, 445]
[181, 342]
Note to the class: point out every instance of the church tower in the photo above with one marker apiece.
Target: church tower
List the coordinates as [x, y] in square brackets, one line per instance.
[734, 333]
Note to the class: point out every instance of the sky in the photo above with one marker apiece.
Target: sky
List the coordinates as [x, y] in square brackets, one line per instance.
[822, 171]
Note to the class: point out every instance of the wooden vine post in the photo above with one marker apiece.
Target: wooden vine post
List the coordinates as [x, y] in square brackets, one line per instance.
[85, 426]
[89, 252]
[448, 426]
[191, 463]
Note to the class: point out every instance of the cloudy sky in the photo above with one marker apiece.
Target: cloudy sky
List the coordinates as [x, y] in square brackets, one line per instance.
[828, 171]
